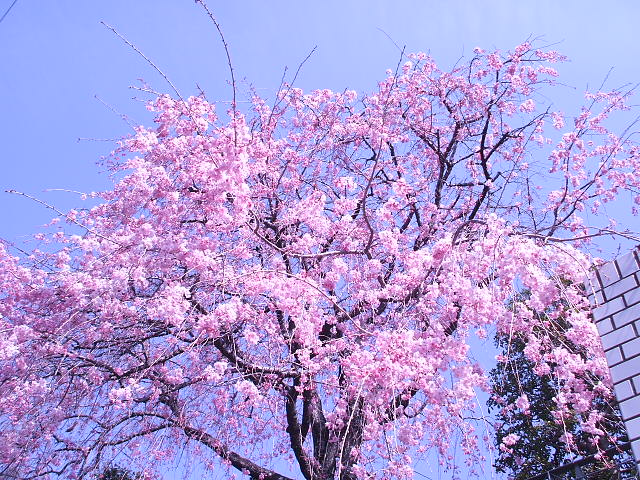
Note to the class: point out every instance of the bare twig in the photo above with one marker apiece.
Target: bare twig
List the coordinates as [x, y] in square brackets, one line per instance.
[229, 63]
[149, 61]
[64, 215]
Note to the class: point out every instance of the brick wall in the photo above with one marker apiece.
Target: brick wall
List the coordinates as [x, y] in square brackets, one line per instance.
[615, 294]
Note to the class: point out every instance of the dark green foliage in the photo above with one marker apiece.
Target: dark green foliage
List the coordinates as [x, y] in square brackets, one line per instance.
[118, 473]
[540, 447]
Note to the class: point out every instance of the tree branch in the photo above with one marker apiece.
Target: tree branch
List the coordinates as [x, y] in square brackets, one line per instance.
[255, 471]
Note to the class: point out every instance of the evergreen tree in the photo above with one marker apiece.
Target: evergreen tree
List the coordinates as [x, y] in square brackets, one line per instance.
[530, 436]
[118, 473]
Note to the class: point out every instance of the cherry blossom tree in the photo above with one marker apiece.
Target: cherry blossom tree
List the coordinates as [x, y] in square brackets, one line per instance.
[291, 291]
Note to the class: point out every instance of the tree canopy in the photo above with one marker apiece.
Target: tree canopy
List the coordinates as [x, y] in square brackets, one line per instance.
[530, 437]
[291, 290]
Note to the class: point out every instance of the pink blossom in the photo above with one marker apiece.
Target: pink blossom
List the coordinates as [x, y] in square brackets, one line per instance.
[510, 440]
[522, 402]
[528, 106]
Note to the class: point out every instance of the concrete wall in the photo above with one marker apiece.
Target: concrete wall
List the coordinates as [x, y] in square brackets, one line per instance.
[615, 294]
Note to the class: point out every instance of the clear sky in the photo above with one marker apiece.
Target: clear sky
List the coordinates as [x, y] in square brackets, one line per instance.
[64, 76]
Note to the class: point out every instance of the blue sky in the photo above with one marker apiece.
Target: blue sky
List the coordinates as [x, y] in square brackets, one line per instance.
[64, 76]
